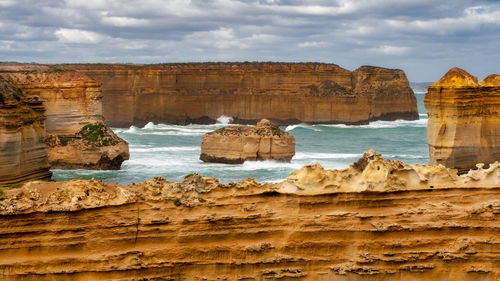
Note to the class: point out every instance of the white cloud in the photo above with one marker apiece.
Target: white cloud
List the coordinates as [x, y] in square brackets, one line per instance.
[66, 35]
[124, 21]
[221, 38]
[7, 3]
[308, 44]
[391, 50]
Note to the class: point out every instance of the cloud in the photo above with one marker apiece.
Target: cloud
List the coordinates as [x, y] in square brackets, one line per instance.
[391, 50]
[66, 35]
[406, 34]
[308, 44]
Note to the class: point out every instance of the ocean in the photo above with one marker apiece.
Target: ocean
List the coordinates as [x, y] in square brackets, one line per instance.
[172, 151]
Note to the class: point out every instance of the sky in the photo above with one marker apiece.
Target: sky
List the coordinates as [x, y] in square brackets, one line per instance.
[424, 38]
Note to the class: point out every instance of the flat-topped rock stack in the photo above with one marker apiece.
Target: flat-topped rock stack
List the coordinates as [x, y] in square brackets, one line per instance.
[464, 120]
[237, 144]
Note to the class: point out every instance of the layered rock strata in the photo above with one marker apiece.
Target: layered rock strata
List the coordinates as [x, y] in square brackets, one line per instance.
[285, 93]
[406, 222]
[73, 102]
[237, 144]
[464, 119]
[23, 154]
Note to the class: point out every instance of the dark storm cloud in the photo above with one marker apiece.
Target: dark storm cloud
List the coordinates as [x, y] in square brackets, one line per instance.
[424, 37]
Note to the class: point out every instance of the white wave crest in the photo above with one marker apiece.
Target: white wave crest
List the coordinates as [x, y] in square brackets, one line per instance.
[301, 125]
[382, 124]
[164, 149]
[267, 165]
[318, 155]
[223, 119]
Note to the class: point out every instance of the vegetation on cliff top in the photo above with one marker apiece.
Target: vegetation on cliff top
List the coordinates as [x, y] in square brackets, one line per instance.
[7, 91]
[97, 134]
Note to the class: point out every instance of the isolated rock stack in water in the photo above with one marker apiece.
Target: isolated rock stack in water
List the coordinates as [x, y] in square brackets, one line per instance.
[23, 155]
[76, 134]
[464, 120]
[236, 144]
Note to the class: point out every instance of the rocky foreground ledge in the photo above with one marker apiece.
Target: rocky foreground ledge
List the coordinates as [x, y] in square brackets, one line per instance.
[376, 220]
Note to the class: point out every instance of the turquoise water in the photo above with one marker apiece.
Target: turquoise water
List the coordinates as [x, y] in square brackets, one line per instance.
[172, 151]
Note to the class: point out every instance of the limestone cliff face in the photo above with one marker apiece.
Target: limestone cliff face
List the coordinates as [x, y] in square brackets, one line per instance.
[72, 101]
[198, 229]
[285, 93]
[464, 118]
[23, 154]
[237, 144]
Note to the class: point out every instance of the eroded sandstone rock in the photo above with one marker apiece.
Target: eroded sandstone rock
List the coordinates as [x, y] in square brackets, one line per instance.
[237, 144]
[285, 93]
[95, 146]
[73, 102]
[316, 225]
[23, 154]
[464, 117]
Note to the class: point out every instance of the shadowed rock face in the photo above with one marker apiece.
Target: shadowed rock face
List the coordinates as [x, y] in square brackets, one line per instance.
[23, 155]
[72, 101]
[236, 144]
[285, 93]
[376, 220]
[464, 120]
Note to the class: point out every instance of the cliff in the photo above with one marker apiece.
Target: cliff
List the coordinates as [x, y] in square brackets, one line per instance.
[72, 101]
[237, 144]
[464, 116]
[416, 223]
[285, 93]
[23, 155]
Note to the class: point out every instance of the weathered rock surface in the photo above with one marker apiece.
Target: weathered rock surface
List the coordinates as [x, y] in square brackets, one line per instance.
[94, 147]
[285, 93]
[464, 120]
[237, 144]
[304, 228]
[23, 154]
[72, 101]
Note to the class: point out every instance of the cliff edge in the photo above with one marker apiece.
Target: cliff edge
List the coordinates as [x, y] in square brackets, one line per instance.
[73, 104]
[285, 93]
[23, 155]
[405, 222]
[464, 116]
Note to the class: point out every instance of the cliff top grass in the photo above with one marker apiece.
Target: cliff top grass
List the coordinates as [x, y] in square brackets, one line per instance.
[97, 134]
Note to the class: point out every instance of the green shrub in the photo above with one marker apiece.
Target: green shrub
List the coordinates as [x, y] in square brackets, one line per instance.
[188, 175]
[177, 202]
[64, 140]
[58, 70]
[276, 131]
[98, 134]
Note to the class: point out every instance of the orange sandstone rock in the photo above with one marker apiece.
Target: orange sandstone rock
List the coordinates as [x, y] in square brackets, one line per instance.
[72, 101]
[23, 155]
[237, 144]
[464, 117]
[285, 93]
[199, 229]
